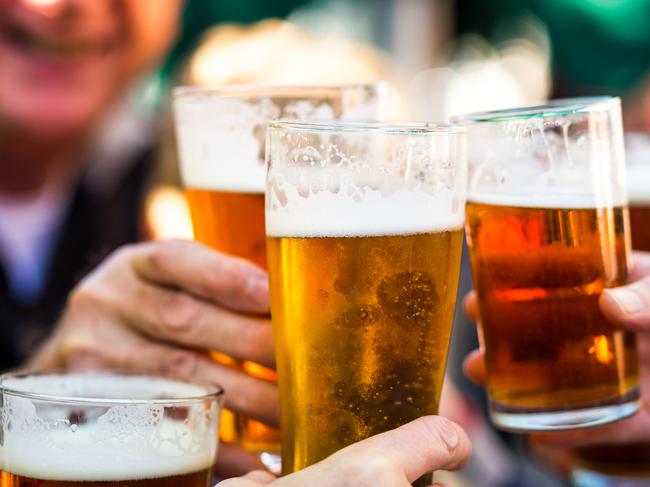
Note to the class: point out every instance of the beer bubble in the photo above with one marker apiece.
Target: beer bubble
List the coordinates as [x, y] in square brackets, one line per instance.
[408, 298]
[359, 317]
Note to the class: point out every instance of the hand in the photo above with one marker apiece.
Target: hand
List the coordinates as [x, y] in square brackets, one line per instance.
[160, 307]
[628, 307]
[392, 459]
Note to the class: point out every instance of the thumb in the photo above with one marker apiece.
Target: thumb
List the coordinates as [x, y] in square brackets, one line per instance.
[628, 306]
[429, 443]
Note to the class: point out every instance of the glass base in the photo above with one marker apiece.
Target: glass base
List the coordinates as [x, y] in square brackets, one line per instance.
[522, 420]
[587, 478]
[272, 461]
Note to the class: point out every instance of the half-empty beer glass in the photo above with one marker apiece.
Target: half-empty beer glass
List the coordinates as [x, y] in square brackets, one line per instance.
[364, 225]
[548, 230]
[105, 429]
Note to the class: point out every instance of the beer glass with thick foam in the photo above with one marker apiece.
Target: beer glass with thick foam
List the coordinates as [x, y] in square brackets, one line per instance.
[221, 135]
[364, 225]
[624, 465]
[548, 230]
[106, 429]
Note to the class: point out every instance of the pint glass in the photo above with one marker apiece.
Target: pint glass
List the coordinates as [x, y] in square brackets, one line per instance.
[624, 465]
[104, 429]
[547, 229]
[221, 134]
[364, 225]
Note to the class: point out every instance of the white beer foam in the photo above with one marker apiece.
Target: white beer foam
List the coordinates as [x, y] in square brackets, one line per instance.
[222, 152]
[122, 443]
[221, 139]
[324, 214]
[548, 200]
[638, 183]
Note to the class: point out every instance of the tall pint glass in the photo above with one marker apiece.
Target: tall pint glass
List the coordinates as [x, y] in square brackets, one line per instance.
[221, 134]
[105, 429]
[548, 230]
[364, 225]
[624, 465]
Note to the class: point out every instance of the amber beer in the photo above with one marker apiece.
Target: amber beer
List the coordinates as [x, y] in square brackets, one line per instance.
[232, 222]
[538, 273]
[548, 229]
[195, 479]
[624, 464]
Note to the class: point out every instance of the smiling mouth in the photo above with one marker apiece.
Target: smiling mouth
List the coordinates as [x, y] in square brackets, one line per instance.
[52, 47]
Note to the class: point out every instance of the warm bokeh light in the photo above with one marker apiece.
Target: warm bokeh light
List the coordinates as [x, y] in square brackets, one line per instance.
[167, 214]
[273, 51]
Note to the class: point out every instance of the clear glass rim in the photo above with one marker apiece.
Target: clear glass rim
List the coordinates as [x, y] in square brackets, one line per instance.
[271, 89]
[369, 127]
[553, 108]
[213, 392]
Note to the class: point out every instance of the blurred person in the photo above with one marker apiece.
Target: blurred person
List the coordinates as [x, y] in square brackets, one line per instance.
[70, 193]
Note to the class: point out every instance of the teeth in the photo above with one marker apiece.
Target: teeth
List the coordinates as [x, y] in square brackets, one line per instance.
[53, 47]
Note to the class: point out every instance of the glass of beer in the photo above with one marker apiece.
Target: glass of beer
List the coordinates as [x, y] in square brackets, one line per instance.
[548, 230]
[221, 135]
[624, 465]
[100, 428]
[364, 225]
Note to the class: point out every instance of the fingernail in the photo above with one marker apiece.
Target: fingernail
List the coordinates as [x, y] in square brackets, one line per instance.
[258, 289]
[628, 301]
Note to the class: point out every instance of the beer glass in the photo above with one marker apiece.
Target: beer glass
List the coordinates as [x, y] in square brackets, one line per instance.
[548, 230]
[221, 135]
[106, 429]
[364, 225]
[624, 465]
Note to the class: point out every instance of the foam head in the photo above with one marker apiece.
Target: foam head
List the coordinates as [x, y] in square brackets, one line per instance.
[637, 155]
[364, 180]
[90, 432]
[221, 132]
[567, 152]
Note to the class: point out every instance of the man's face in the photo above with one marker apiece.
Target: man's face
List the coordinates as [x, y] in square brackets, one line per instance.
[63, 62]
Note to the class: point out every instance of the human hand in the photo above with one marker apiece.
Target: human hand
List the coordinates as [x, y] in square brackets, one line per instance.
[625, 306]
[160, 307]
[392, 459]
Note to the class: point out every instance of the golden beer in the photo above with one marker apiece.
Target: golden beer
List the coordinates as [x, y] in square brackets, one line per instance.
[364, 225]
[195, 479]
[362, 326]
[538, 273]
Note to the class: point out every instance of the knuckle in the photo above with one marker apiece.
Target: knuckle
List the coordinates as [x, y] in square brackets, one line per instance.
[86, 296]
[179, 313]
[162, 252]
[181, 364]
[255, 339]
[442, 429]
[75, 352]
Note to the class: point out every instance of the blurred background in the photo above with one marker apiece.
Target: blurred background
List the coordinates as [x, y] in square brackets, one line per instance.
[442, 57]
